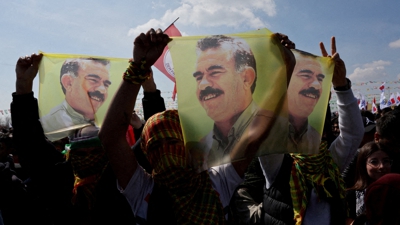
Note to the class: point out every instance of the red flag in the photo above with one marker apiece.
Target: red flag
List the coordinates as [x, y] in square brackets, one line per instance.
[374, 108]
[174, 93]
[392, 99]
[374, 101]
[164, 63]
[397, 98]
[382, 87]
[130, 137]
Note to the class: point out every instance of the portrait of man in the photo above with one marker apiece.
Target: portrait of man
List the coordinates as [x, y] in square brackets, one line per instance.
[304, 92]
[226, 75]
[84, 82]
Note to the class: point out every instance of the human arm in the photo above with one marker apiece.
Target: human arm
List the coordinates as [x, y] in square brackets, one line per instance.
[350, 123]
[50, 175]
[152, 101]
[288, 57]
[28, 133]
[147, 46]
[349, 173]
[263, 122]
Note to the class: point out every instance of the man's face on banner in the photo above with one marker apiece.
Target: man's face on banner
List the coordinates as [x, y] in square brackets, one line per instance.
[89, 89]
[219, 86]
[305, 87]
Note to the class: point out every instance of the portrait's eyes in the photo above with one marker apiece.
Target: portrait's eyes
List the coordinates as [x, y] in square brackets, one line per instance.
[215, 73]
[198, 78]
[92, 80]
[305, 76]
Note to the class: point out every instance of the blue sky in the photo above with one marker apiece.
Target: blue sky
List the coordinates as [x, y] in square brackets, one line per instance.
[367, 32]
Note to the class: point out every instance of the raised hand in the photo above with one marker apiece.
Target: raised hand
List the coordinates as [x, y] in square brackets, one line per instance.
[285, 41]
[149, 46]
[339, 73]
[136, 122]
[26, 69]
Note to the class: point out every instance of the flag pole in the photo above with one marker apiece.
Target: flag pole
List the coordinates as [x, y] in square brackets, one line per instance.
[171, 24]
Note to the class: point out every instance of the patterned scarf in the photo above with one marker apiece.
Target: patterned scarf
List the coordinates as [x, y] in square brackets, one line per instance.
[89, 161]
[319, 171]
[194, 199]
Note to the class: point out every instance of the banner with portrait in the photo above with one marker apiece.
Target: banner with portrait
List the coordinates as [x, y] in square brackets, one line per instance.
[233, 97]
[75, 91]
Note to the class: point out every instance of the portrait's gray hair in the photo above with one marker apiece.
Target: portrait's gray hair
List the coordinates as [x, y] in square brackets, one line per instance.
[238, 48]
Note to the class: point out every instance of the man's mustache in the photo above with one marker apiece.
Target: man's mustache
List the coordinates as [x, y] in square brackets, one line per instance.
[310, 91]
[97, 95]
[209, 91]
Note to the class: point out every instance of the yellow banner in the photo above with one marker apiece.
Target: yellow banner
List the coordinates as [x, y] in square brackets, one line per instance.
[233, 98]
[232, 92]
[75, 91]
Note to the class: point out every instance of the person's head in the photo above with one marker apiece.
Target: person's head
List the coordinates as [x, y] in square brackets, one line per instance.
[385, 110]
[162, 140]
[163, 144]
[368, 114]
[305, 87]
[85, 83]
[369, 129]
[335, 126]
[88, 160]
[226, 76]
[387, 130]
[382, 200]
[373, 162]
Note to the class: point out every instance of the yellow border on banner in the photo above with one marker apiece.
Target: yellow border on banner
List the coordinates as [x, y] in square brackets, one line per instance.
[50, 91]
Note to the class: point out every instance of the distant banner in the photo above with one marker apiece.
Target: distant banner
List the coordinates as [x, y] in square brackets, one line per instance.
[234, 101]
[75, 91]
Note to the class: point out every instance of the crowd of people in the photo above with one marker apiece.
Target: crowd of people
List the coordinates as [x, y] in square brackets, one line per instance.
[96, 176]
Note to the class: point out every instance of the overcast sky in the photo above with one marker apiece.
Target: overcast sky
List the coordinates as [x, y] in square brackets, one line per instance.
[367, 32]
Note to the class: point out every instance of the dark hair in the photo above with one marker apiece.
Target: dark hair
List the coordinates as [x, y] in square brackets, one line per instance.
[385, 110]
[368, 114]
[388, 125]
[362, 178]
[71, 67]
[241, 51]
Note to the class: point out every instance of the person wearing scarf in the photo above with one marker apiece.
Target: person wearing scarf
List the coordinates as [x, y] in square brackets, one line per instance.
[304, 189]
[194, 201]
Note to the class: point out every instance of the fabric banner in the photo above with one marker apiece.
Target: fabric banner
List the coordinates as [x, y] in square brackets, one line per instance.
[234, 101]
[75, 91]
[164, 63]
